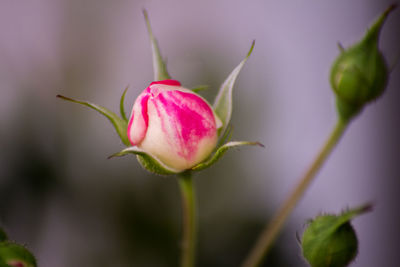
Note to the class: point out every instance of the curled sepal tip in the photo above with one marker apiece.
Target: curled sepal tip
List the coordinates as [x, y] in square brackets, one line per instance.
[119, 124]
[149, 162]
[14, 255]
[223, 101]
[159, 66]
[221, 151]
[330, 240]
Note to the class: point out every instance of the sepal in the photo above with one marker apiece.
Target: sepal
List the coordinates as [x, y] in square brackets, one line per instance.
[119, 124]
[221, 151]
[149, 162]
[200, 88]
[223, 102]
[159, 66]
[121, 105]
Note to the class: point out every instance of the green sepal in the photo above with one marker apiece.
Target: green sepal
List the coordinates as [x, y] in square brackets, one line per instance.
[11, 253]
[330, 240]
[200, 88]
[221, 151]
[149, 162]
[119, 124]
[159, 66]
[121, 105]
[223, 102]
[226, 137]
[3, 235]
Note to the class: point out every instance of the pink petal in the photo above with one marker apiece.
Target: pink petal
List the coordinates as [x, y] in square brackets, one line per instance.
[187, 119]
[167, 82]
[139, 120]
[16, 263]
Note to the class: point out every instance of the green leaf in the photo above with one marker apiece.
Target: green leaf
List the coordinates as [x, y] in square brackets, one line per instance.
[119, 124]
[11, 253]
[149, 162]
[223, 102]
[159, 66]
[221, 151]
[121, 105]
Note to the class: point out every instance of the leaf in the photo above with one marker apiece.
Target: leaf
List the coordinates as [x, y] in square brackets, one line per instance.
[121, 105]
[221, 151]
[149, 162]
[119, 124]
[159, 66]
[223, 102]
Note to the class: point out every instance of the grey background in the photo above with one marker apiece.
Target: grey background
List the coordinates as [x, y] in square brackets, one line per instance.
[73, 207]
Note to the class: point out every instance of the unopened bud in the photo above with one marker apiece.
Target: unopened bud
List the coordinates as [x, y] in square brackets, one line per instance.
[330, 240]
[15, 255]
[359, 74]
[174, 124]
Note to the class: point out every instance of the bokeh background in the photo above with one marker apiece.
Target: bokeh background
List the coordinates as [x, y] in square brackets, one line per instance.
[71, 206]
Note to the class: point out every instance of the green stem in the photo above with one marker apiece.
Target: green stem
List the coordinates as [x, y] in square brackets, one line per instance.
[268, 236]
[189, 219]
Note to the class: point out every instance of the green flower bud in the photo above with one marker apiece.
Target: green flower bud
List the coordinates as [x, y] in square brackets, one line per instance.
[12, 254]
[359, 74]
[330, 240]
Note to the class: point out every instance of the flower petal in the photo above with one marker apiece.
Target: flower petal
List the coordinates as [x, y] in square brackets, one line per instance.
[182, 128]
[139, 120]
[167, 82]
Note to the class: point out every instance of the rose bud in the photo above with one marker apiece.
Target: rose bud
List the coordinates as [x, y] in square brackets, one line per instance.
[359, 74]
[15, 255]
[330, 240]
[173, 124]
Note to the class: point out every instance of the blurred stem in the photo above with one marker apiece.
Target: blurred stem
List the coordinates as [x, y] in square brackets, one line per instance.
[269, 234]
[189, 219]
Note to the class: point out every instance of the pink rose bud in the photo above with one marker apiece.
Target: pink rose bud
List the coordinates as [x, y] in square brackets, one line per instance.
[173, 124]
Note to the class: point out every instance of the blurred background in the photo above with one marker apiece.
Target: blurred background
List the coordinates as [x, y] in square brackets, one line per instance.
[71, 206]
